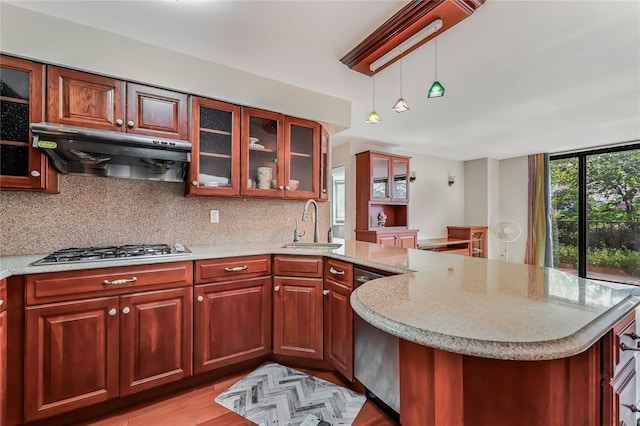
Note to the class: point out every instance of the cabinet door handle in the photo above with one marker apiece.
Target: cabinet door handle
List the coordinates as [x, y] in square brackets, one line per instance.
[336, 272]
[194, 182]
[276, 288]
[633, 335]
[281, 187]
[130, 123]
[632, 407]
[325, 292]
[119, 122]
[113, 312]
[35, 173]
[1, 302]
[625, 347]
[200, 298]
[288, 188]
[120, 281]
[236, 268]
[126, 310]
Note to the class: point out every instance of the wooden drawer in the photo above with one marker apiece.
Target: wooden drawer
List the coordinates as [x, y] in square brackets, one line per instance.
[230, 268]
[70, 285]
[297, 266]
[620, 399]
[339, 271]
[617, 346]
[3, 295]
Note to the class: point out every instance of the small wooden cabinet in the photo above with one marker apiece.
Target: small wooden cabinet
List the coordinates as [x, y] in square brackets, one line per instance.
[22, 102]
[382, 198]
[476, 237]
[3, 352]
[82, 99]
[215, 156]
[127, 337]
[298, 306]
[338, 316]
[232, 320]
[280, 155]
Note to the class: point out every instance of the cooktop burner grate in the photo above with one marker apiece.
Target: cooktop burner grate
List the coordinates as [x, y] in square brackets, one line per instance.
[112, 252]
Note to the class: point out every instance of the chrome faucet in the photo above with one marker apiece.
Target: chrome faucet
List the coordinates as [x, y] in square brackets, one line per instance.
[296, 232]
[315, 217]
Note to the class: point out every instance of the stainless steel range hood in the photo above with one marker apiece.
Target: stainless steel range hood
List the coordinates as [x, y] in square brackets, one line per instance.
[81, 151]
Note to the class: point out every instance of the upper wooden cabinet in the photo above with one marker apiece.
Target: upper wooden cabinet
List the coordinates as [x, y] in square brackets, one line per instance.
[215, 156]
[22, 102]
[82, 99]
[382, 198]
[280, 155]
[325, 164]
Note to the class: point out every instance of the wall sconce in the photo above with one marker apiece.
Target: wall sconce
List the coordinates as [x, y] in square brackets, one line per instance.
[412, 176]
[452, 180]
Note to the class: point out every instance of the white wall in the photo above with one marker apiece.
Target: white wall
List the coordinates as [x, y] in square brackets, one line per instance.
[39, 37]
[513, 201]
[476, 192]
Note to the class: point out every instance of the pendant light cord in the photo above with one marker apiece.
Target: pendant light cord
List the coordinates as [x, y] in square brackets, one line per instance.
[401, 60]
[436, 61]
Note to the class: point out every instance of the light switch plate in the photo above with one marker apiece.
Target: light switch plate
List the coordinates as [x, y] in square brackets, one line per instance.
[214, 216]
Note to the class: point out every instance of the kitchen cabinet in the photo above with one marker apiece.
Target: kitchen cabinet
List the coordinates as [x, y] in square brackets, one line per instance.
[215, 155]
[22, 102]
[338, 316]
[382, 198]
[280, 155]
[325, 164]
[232, 313]
[3, 352]
[92, 335]
[298, 306]
[82, 99]
[620, 386]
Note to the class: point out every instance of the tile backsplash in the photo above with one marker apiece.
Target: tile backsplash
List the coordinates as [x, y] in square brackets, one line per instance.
[96, 211]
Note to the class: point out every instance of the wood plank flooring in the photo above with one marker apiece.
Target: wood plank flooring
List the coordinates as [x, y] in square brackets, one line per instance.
[197, 407]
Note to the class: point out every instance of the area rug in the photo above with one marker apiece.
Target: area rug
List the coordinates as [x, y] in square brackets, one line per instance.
[281, 396]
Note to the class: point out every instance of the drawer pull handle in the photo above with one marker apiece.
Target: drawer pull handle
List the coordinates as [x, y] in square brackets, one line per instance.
[633, 335]
[632, 407]
[625, 347]
[276, 288]
[200, 298]
[236, 268]
[120, 281]
[334, 272]
[113, 312]
[325, 292]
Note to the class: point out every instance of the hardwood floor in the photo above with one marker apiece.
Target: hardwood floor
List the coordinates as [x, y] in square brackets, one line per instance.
[197, 407]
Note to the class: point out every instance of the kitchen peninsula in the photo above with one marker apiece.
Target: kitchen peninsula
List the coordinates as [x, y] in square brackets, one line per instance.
[481, 342]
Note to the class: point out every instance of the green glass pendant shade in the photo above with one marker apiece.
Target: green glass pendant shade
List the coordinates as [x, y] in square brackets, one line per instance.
[373, 118]
[436, 90]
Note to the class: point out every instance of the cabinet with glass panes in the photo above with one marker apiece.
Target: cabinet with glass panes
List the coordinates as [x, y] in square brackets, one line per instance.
[22, 102]
[215, 136]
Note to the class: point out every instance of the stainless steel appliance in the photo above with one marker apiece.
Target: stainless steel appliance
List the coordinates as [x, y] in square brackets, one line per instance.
[93, 254]
[376, 359]
[81, 151]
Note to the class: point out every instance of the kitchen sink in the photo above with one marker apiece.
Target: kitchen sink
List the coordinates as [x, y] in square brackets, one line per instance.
[313, 246]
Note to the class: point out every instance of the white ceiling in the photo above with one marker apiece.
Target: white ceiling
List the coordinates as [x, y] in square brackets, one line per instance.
[520, 76]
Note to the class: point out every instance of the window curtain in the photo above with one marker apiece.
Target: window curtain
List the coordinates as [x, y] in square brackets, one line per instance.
[539, 232]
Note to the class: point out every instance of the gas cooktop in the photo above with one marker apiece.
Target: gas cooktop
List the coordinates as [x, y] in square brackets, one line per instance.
[92, 254]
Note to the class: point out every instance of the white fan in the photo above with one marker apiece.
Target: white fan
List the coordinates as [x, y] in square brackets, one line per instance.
[506, 231]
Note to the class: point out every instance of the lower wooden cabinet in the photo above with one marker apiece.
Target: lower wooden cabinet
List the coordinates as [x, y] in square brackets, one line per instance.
[3, 352]
[87, 351]
[232, 322]
[406, 238]
[297, 307]
[338, 328]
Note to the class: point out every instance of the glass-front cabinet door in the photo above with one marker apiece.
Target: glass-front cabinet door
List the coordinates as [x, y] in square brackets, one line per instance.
[399, 187]
[380, 166]
[21, 102]
[302, 151]
[215, 135]
[325, 164]
[262, 153]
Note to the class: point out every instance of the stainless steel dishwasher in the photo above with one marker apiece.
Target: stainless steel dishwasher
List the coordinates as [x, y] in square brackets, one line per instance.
[376, 360]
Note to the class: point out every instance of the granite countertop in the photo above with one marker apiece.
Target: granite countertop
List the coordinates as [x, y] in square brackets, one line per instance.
[471, 306]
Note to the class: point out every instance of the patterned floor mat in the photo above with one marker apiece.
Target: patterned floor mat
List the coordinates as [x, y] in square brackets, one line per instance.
[275, 395]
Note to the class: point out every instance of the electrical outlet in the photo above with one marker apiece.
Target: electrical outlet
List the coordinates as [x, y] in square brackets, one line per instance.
[214, 216]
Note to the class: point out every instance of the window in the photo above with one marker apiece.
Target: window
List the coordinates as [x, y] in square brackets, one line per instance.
[595, 198]
[339, 199]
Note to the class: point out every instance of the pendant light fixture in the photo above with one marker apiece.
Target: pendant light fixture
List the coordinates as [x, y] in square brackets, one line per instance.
[401, 104]
[436, 90]
[373, 115]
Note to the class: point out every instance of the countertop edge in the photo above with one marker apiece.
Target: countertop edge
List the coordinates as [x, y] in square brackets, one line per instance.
[514, 351]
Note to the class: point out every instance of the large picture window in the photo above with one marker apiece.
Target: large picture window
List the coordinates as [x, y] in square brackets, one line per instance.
[595, 197]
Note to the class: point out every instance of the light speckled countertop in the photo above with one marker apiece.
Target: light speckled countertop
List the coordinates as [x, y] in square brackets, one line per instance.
[465, 305]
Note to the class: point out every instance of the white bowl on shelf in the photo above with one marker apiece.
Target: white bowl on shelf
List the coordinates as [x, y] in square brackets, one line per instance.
[253, 141]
